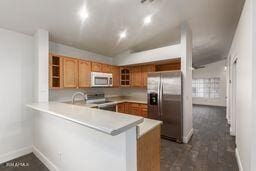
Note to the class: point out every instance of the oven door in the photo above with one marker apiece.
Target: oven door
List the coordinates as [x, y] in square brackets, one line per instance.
[100, 81]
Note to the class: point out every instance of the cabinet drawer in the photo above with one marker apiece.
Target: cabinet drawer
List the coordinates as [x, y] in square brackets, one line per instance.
[135, 111]
[136, 105]
[144, 106]
[144, 112]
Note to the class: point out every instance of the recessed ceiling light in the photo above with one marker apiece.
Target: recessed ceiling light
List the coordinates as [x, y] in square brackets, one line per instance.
[123, 34]
[147, 20]
[83, 13]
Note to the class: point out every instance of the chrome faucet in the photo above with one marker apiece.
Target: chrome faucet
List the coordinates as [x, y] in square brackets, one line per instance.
[84, 95]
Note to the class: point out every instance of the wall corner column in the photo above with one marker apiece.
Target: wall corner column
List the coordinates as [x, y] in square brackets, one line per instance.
[41, 40]
[253, 154]
[186, 68]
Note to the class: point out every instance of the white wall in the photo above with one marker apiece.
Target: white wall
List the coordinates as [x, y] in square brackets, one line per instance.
[138, 93]
[66, 146]
[253, 164]
[16, 73]
[164, 53]
[241, 50]
[213, 70]
[64, 50]
[41, 38]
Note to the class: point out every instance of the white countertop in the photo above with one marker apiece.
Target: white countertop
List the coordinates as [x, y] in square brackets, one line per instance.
[147, 125]
[115, 100]
[112, 123]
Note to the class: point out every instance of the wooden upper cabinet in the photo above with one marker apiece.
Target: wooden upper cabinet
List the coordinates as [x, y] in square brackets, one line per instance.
[125, 76]
[55, 72]
[70, 73]
[84, 73]
[105, 68]
[136, 76]
[174, 64]
[116, 76]
[145, 70]
[96, 67]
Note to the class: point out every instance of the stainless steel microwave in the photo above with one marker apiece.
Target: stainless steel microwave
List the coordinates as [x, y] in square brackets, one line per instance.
[99, 79]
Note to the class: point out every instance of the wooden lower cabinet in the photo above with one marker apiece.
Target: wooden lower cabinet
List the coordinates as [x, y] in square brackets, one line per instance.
[144, 110]
[121, 108]
[148, 151]
[137, 109]
[127, 109]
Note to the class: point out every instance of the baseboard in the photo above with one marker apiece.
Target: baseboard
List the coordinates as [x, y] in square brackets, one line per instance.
[15, 154]
[44, 160]
[188, 136]
[208, 104]
[239, 161]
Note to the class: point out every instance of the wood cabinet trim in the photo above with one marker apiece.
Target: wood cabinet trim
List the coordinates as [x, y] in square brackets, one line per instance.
[148, 158]
[67, 78]
[84, 76]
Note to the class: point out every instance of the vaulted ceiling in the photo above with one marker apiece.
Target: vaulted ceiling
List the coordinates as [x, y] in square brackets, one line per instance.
[213, 23]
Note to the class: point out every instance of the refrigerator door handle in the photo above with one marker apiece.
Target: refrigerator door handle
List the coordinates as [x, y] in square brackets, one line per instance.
[161, 98]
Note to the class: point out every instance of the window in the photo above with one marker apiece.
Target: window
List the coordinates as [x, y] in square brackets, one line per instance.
[206, 88]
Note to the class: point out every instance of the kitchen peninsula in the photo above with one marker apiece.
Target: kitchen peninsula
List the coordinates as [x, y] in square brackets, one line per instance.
[83, 135]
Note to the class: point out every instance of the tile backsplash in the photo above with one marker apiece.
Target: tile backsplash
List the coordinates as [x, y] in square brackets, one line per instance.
[66, 94]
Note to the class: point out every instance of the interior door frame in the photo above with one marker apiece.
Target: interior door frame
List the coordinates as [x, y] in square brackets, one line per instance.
[233, 97]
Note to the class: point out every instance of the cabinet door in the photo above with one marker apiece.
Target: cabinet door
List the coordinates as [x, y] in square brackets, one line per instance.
[125, 76]
[135, 111]
[70, 73]
[84, 73]
[127, 108]
[96, 67]
[144, 110]
[121, 107]
[136, 77]
[116, 76]
[55, 72]
[145, 70]
[105, 68]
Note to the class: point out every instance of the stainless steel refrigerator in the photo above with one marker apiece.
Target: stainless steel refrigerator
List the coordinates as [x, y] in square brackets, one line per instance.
[165, 102]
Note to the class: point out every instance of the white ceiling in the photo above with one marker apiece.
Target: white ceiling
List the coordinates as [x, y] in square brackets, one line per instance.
[213, 23]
